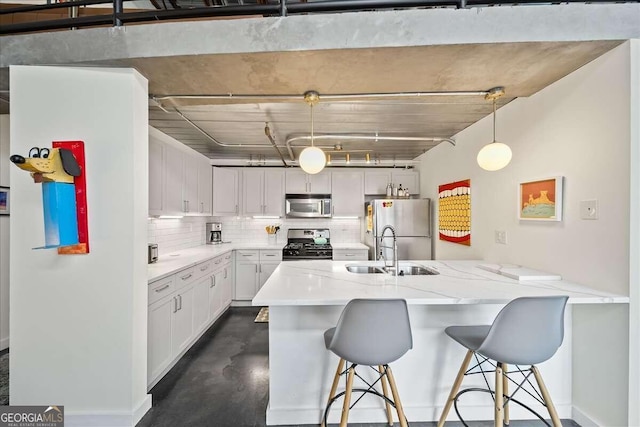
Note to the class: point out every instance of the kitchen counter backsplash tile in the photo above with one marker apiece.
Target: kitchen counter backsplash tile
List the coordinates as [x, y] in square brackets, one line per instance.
[173, 235]
[177, 234]
[250, 230]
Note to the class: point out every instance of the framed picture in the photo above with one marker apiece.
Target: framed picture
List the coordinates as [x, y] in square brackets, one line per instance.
[540, 200]
[4, 200]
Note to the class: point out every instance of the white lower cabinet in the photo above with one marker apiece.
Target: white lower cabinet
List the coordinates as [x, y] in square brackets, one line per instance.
[200, 306]
[350, 254]
[181, 307]
[253, 268]
[159, 353]
[182, 326]
[246, 279]
[266, 270]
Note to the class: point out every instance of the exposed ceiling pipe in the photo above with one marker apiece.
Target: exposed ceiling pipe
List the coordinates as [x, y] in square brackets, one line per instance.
[347, 136]
[267, 131]
[335, 97]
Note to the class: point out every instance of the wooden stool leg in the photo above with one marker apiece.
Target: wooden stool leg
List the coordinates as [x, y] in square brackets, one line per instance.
[455, 388]
[547, 399]
[396, 398]
[505, 391]
[347, 398]
[499, 401]
[334, 386]
[385, 391]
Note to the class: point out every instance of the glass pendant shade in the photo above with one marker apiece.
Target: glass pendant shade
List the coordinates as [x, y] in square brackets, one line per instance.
[494, 156]
[312, 160]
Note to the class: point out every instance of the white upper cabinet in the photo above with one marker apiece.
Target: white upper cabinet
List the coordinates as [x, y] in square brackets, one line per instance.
[296, 181]
[179, 178]
[273, 195]
[174, 175]
[347, 197]
[376, 181]
[263, 192]
[299, 182]
[205, 189]
[225, 192]
[409, 179]
[190, 183]
[156, 177]
[252, 191]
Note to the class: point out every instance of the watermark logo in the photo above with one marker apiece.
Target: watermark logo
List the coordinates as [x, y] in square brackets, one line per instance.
[31, 416]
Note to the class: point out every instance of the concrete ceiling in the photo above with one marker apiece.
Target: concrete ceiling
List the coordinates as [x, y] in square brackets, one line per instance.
[522, 68]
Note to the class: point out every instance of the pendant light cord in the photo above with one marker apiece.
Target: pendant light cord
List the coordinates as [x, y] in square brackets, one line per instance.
[494, 120]
[312, 124]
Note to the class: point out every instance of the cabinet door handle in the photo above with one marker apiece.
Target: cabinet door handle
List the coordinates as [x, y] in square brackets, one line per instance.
[175, 304]
[349, 254]
[206, 267]
[256, 268]
[227, 257]
[247, 254]
[260, 267]
[236, 209]
[187, 276]
[162, 288]
[218, 261]
[225, 272]
[180, 297]
[213, 281]
[269, 255]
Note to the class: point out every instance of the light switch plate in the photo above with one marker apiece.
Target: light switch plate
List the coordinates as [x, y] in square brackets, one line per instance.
[501, 237]
[589, 209]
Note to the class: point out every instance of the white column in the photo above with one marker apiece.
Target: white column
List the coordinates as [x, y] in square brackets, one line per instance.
[4, 235]
[78, 322]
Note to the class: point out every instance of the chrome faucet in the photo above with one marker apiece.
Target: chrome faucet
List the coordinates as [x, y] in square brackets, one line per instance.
[394, 268]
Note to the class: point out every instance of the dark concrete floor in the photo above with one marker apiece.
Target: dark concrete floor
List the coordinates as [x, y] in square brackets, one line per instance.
[223, 381]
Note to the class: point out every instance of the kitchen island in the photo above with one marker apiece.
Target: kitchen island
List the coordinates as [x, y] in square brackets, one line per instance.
[306, 297]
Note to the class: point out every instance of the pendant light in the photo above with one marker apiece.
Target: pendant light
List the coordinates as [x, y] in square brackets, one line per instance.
[496, 155]
[312, 159]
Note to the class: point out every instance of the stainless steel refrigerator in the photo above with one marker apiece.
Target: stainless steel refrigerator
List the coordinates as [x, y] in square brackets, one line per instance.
[411, 219]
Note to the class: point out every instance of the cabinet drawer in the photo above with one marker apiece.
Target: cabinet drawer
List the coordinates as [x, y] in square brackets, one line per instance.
[245, 255]
[218, 262]
[270, 255]
[227, 258]
[350, 254]
[184, 277]
[203, 269]
[160, 289]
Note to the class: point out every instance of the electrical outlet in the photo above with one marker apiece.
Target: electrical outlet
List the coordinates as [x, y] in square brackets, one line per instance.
[501, 237]
[589, 209]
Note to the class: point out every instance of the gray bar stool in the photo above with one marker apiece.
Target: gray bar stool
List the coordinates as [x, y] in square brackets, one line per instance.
[372, 333]
[527, 331]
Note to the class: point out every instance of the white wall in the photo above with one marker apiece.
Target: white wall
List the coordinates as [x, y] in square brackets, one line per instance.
[634, 234]
[4, 235]
[78, 323]
[578, 127]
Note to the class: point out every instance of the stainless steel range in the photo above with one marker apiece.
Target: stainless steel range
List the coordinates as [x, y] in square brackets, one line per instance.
[303, 243]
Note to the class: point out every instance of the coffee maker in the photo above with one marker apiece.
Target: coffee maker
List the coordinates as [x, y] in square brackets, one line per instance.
[214, 233]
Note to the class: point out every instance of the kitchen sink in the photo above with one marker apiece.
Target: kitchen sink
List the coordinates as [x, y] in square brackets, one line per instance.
[364, 269]
[416, 270]
[406, 269]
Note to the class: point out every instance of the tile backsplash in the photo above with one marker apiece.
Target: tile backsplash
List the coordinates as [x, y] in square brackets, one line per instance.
[176, 234]
[248, 230]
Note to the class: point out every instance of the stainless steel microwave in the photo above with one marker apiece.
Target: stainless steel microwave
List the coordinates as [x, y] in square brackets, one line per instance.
[308, 205]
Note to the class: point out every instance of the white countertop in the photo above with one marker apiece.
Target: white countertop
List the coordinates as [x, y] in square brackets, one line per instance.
[459, 282]
[349, 246]
[179, 260]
